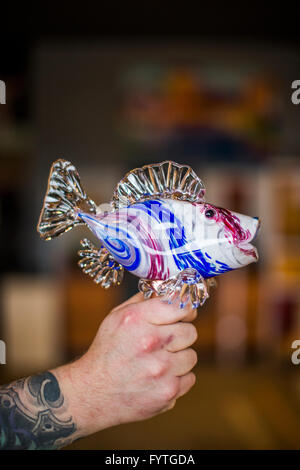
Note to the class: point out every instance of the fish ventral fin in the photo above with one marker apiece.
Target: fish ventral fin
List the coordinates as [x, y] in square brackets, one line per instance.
[100, 265]
[159, 180]
[64, 198]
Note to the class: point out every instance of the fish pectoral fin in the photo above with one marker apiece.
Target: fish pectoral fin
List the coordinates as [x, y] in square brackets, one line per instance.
[99, 265]
[187, 287]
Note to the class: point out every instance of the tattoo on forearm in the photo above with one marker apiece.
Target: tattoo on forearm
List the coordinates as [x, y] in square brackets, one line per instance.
[33, 414]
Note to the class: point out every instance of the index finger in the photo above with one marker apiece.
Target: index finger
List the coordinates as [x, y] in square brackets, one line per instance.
[159, 312]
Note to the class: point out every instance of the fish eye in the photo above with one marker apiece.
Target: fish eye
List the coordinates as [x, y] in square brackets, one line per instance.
[209, 213]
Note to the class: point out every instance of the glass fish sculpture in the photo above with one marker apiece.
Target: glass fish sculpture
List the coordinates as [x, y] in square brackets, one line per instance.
[158, 227]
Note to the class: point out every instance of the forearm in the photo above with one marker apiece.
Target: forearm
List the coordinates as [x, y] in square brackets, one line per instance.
[45, 411]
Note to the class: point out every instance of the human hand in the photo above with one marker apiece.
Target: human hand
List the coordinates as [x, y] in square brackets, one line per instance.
[138, 365]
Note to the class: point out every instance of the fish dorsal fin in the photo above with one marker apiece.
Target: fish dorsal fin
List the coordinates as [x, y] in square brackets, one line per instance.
[167, 180]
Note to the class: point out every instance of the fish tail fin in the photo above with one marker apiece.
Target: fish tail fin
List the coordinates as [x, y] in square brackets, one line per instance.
[64, 199]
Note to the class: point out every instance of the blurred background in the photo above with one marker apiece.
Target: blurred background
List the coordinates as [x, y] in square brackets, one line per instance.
[112, 101]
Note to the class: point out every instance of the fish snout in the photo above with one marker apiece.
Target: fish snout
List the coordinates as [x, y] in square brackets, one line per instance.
[257, 229]
[249, 227]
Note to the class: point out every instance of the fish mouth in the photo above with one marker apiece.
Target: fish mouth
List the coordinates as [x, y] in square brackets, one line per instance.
[246, 248]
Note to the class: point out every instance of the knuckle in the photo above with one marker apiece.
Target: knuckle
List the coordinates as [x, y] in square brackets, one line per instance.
[149, 343]
[157, 369]
[129, 316]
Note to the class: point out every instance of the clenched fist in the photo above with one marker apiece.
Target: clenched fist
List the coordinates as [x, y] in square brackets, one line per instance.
[138, 365]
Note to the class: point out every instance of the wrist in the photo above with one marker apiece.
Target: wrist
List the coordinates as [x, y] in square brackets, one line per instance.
[85, 400]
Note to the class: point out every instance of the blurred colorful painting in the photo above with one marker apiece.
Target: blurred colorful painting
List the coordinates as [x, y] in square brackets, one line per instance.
[199, 112]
